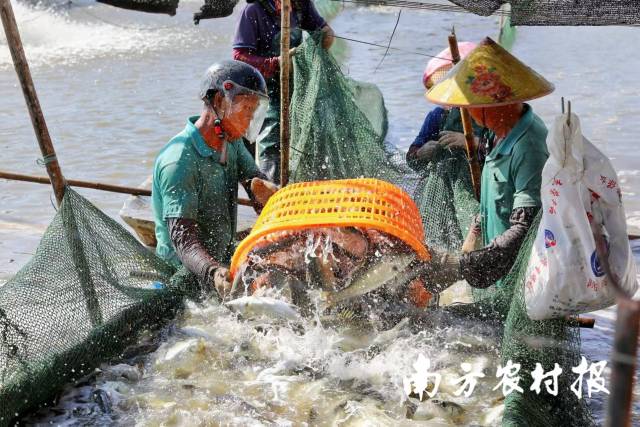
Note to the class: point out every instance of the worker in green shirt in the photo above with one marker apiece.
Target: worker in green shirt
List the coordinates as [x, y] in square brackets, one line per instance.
[196, 175]
[493, 85]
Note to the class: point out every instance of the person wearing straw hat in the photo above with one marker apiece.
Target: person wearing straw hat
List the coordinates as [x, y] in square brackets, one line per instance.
[494, 85]
[442, 128]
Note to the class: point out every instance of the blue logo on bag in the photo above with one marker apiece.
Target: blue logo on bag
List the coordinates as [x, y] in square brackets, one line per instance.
[596, 267]
[549, 239]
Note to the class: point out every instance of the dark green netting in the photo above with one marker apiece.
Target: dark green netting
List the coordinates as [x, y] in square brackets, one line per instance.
[338, 131]
[528, 342]
[560, 12]
[151, 6]
[83, 297]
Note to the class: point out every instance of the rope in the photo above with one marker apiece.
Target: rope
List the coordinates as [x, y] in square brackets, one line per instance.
[391, 48]
[390, 40]
[46, 160]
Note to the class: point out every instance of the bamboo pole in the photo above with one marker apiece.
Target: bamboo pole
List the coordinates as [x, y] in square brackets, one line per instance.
[93, 185]
[285, 65]
[472, 155]
[31, 98]
[49, 156]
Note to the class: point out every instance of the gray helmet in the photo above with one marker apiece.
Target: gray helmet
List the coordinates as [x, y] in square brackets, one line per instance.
[232, 78]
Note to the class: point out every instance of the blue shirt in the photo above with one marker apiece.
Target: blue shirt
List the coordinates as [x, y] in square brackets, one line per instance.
[430, 127]
[258, 30]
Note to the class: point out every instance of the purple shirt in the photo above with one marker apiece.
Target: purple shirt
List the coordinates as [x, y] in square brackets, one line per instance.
[258, 30]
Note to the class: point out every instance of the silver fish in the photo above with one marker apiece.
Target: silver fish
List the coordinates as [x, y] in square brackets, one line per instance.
[374, 277]
[252, 306]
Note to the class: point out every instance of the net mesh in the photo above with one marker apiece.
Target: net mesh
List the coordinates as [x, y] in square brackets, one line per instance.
[349, 141]
[91, 287]
[151, 6]
[564, 12]
[81, 299]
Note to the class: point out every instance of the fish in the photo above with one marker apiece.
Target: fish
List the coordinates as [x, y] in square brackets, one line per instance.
[253, 306]
[377, 275]
[435, 408]
[319, 274]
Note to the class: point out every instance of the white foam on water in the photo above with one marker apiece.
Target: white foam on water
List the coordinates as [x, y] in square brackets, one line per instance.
[69, 36]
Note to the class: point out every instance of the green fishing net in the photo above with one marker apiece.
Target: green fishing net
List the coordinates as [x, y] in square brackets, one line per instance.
[91, 287]
[88, 291]
[528, 342]
[338, 131]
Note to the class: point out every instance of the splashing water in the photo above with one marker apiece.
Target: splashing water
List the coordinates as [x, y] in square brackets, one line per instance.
[217, 368]
[68, 33]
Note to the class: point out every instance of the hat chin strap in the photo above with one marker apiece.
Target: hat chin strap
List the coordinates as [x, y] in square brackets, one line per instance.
[221, 134]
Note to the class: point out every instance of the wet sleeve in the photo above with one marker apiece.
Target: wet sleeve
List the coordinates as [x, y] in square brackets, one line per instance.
[311, 20]
[190, 250]
[246, 35]
[484, 267]
[526, 174]
[178, 185]
[268, 66]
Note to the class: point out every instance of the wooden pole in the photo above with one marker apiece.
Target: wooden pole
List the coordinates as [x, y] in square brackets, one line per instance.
[625, 344]
[49, 156]
[623, 363]
[472, 154]
[30, 96]
[93, 185]
[285, 65]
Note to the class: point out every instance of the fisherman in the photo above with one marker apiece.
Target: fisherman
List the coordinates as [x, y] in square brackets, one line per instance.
[196, 175]
[441, 130]
[493, 85]
[257, 42]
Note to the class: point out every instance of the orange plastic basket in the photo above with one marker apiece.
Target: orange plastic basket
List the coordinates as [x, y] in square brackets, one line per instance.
[364, 202]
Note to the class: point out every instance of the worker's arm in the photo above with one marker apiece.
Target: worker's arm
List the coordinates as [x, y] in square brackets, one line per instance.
[484, 267]
[268, 66]
[248, 171]
[184, 235]
[177, 182]
[425, 146]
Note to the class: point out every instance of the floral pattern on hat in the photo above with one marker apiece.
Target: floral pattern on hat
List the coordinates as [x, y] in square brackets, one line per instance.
[486, 82]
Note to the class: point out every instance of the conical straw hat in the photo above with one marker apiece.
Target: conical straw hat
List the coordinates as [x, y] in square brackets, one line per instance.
[489, 76]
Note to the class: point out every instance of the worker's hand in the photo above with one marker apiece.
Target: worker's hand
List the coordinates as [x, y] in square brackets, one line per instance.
[292, 52]
[262, 190]
[427, 151]
[445, 268]
[452, 140]
[473, 241]
[222, 282]
[328, 37]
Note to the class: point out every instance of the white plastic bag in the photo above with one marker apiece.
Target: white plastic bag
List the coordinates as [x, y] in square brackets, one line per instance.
[579, 185]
